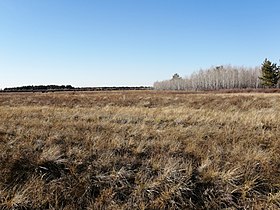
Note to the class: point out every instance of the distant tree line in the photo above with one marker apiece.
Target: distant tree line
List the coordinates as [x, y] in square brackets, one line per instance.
[225, 77]
[31, 88]
[53, 88]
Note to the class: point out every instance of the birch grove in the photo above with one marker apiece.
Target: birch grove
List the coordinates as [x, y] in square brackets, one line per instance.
[215, 78]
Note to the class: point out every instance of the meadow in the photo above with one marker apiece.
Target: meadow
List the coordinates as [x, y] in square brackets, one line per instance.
[139, 150]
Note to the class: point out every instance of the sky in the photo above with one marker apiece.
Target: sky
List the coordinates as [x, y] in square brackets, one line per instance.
[131, 42]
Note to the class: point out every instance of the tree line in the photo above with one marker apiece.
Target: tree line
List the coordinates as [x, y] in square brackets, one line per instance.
[30, 88]
[225, 77]
[54, 88]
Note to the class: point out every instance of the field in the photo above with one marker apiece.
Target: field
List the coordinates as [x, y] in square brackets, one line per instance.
[139, 150]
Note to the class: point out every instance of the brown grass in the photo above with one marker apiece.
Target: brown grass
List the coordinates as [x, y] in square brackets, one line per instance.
[139, 150]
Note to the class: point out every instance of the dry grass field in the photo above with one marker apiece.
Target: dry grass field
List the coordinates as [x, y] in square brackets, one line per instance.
[139, 150]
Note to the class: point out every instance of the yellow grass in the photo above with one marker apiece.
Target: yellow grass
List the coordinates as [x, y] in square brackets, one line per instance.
[139, 150]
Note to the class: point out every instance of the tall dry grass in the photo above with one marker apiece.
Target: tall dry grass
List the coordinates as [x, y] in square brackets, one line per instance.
[139, 150]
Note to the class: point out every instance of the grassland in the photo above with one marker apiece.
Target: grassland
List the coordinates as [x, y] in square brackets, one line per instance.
[139, 150]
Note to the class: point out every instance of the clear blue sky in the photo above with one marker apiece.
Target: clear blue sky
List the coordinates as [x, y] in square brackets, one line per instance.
[131, 42]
